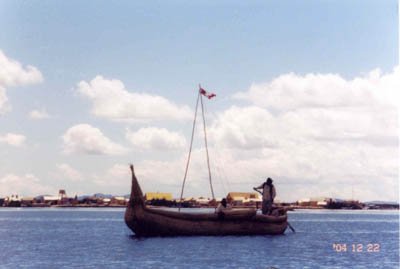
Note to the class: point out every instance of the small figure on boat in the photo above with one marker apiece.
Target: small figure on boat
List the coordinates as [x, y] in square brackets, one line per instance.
[222, 208]
[268, 193]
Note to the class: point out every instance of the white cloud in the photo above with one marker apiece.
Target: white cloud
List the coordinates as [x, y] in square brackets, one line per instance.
[84, 138]
[24, 185]
[318, 131]
[318, 148]
[156, 175]
[313, 107]
[16, 140]
[291, 91]
[38, 114]
[167, 176]
[119, 171]
[111, 100]
[254, 127]
[117, 176]
[13, 74]
[4, 104]
[163, 176]
[152, 138]
[246, 128]
[385, 87]
[66, 171]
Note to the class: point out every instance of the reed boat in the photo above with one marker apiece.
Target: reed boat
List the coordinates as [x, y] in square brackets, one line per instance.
[146, 221]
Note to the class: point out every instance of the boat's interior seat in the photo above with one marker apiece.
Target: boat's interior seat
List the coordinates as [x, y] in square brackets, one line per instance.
[234, 214]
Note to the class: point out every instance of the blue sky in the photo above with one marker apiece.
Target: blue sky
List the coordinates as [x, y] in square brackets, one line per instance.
[166, 49]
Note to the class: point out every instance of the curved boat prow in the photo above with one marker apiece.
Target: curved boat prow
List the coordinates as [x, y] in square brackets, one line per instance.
[136, 197]
[135, 207]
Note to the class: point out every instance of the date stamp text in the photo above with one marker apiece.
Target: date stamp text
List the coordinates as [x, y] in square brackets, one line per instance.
[357, 248]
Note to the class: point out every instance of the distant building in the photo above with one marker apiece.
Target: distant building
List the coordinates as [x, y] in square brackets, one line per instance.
[48, 199]
[13, 201]
[330, 203]
[303, 202]
[243, 198]
[314, 202]
[344, 204]
[27, 201]
[188, 202]
[62, 194]
[158, 196]
[106, 201]
[202, 201]
[63, 198]
[119, 200]
[89, 200]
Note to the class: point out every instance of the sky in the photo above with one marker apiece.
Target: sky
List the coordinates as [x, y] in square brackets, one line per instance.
[307, 93]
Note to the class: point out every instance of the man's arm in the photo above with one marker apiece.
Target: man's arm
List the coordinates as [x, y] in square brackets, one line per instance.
[259, 187]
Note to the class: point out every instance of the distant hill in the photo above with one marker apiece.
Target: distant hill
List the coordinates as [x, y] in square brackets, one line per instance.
[102, 195]
[381, 203]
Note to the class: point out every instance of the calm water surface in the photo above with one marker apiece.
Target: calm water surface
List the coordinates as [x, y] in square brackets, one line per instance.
[99, 238]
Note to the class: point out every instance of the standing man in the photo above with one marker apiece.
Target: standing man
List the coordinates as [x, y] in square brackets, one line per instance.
[268, 193]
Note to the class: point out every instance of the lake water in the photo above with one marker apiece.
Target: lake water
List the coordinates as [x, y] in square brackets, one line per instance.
[99, 238]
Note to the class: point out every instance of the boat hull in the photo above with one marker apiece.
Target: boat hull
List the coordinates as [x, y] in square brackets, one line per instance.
[146, 222]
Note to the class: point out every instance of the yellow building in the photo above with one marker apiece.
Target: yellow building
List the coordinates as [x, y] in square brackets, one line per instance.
[242, 196]
[158, 196]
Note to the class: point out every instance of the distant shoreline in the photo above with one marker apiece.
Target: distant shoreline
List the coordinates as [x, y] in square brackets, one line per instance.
[238, 207]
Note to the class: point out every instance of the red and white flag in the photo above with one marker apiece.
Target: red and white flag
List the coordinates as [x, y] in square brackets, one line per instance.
[209, 95]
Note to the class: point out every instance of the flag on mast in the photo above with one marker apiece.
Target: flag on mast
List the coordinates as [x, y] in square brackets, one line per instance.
[209, 95]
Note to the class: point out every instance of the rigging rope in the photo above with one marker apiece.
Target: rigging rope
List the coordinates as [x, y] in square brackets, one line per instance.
[190, 151]
[219, 166]
[205, 141]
